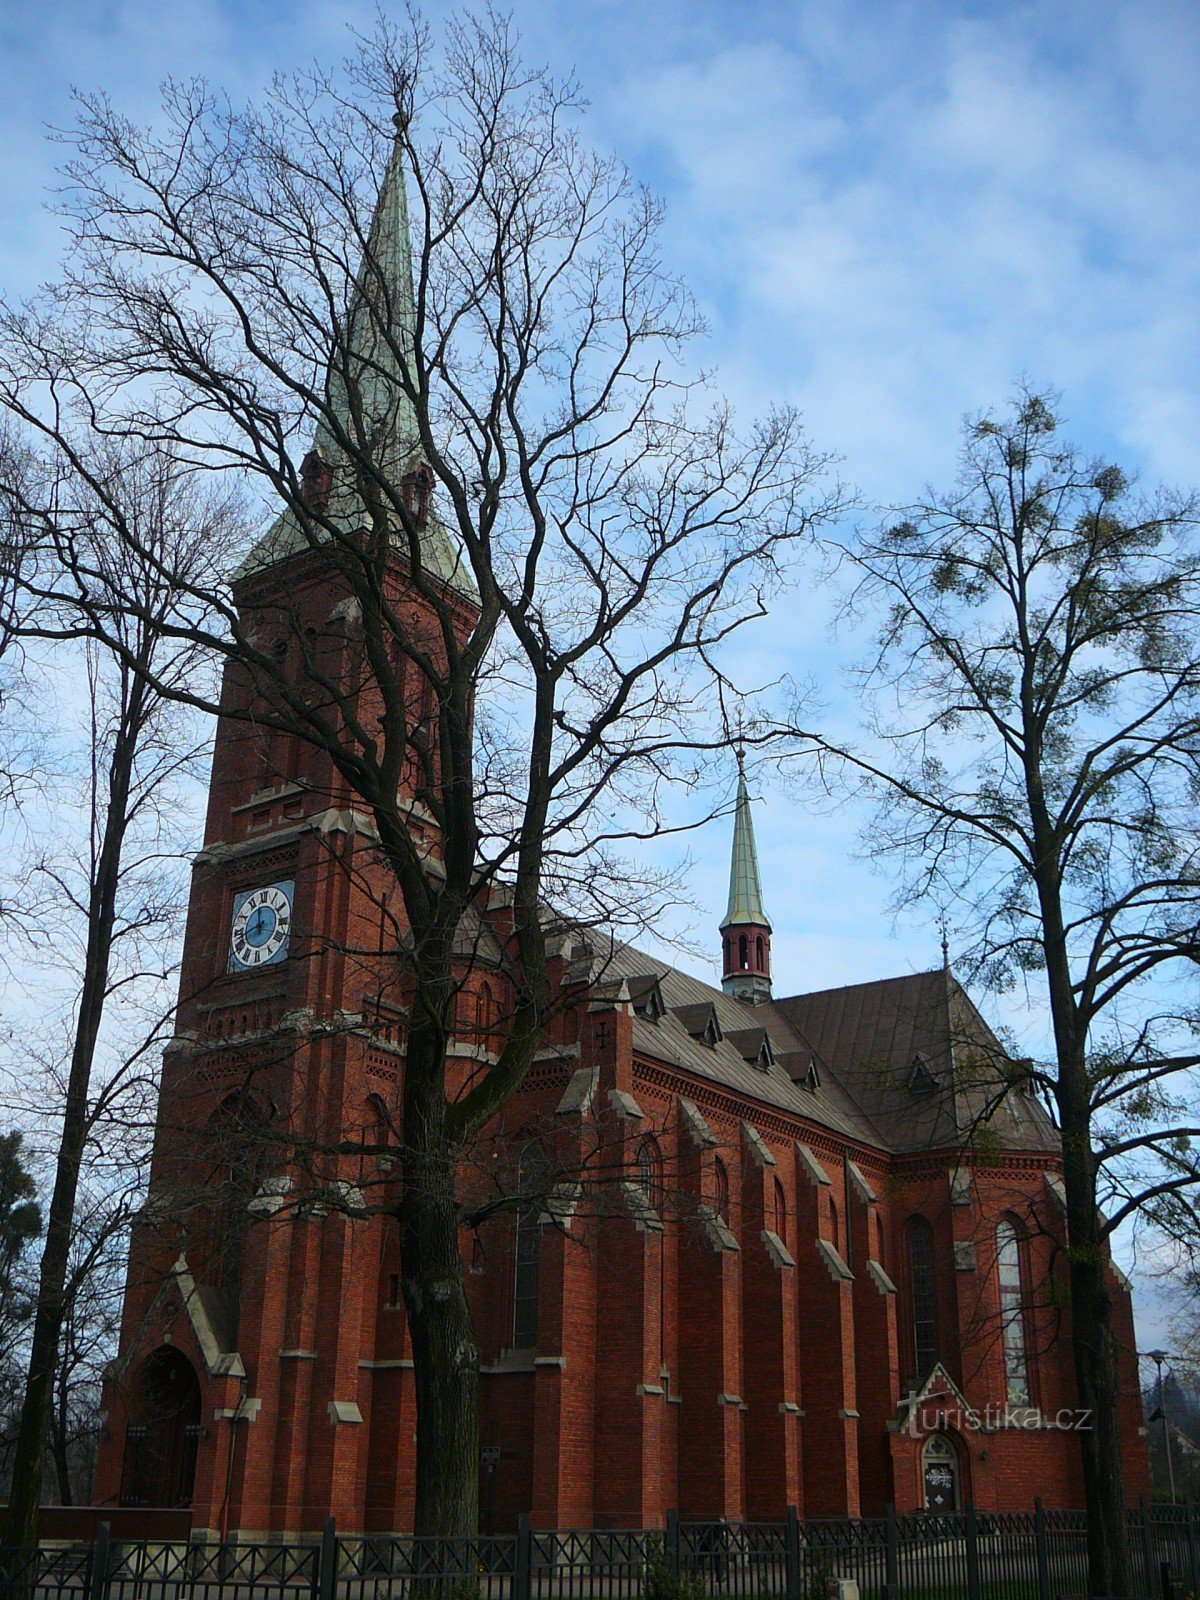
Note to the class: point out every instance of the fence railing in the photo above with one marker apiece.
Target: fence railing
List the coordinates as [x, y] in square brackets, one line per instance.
[972, 1555]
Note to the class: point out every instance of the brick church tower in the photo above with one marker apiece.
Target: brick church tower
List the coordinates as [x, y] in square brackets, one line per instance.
[251, 1307]
[807, 1275]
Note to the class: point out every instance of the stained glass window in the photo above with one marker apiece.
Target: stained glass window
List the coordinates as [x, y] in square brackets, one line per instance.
[922, 1286]
[1012, 1313]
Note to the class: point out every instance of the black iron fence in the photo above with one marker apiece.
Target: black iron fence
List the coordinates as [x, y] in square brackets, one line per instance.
[973, 1555]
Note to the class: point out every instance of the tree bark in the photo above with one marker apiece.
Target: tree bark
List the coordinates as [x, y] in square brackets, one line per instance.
[445, 1358]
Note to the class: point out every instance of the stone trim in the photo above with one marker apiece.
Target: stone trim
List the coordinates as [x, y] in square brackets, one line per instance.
[860, 1185]
[964, 1255]
[836, 1267]
[246, 1410]
[811, 1167]
[717, 1229]
[625, 1105]
[759, 1152]
[344, 1411]
[880, 1278]
[777, 1250]
[698, 1130]
[580, 1092]
[218, 1363]
[300, 1355]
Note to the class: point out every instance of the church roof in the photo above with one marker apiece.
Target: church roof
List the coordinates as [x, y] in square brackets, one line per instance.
[369, 364]
[745, 881]
[863, 1040]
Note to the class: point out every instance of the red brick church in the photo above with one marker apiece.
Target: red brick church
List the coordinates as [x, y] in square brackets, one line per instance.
[830, 1274]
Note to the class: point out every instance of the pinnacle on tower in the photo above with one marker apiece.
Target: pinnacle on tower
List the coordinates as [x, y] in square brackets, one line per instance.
[369, 364]
[745, 931]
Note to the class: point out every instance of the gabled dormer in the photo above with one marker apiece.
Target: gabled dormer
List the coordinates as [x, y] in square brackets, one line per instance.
[701, 1022]
[921, 1079]
[754, 1046]
[645, 991]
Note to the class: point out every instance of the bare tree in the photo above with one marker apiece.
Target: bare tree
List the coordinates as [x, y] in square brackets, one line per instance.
[542, 529]
[95, 896]
[1036, 753]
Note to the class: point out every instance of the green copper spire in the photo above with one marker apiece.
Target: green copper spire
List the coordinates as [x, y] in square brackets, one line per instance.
[380, 336]
[368, 364]
[745, 885]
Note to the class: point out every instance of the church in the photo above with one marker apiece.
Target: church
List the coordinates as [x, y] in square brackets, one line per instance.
[824, 1268]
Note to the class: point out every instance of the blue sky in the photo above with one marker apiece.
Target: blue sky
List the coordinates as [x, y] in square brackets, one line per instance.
[889, 211]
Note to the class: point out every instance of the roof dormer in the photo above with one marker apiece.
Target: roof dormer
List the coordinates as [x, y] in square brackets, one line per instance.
[701, 1022]
[645, 991]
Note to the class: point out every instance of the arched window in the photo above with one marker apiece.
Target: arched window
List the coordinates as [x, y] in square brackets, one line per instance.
[649, 1164]
[923, 1297]
[527, 1248]
[720, 1188]
[1012, 1312]
[779, 1219]
[758, 945]
[743, 952]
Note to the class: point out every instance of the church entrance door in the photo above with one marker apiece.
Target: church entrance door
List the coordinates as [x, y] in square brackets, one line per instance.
[164, 1425]
[940, 1461]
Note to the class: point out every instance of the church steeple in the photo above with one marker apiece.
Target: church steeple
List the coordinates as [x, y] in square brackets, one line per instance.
[745, 931]
[368, 362]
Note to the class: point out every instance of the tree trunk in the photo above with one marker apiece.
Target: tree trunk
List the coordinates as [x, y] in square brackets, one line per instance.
[445, 1356]
[20, 1522]
[1094, 1350]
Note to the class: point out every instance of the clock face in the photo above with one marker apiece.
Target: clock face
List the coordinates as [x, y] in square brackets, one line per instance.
[261, 927]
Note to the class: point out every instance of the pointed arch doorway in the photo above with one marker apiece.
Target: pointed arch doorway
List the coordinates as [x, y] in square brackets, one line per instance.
[941, 1475]
[159, 1466]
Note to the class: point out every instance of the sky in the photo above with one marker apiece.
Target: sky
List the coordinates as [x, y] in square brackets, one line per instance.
[890, 211]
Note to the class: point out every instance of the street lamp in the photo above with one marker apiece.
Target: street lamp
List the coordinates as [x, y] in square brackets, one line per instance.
[1158, 1357]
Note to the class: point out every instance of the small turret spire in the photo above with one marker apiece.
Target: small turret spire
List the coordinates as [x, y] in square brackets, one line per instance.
[746, 932]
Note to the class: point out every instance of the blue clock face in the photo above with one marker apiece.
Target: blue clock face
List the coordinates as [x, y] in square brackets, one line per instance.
[261, 927]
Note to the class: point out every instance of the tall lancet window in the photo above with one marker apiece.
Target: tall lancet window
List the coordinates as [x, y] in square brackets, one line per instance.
[1012, 1312]
[923, 1296]
[527, 1249]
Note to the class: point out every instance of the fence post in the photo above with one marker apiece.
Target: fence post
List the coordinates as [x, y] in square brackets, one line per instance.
[327, 1561]
[1147, 1545]
[972, 1553]
[522, 1584]
[1164, 1578]
[892, 1552]
[1041, 1548]
[1193, 1567]
[100, 1562]
[792, 1547]
[672, 1543]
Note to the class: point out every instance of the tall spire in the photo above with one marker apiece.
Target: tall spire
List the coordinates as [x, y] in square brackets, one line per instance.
[746, 932]
[368, 363]
[380, 339]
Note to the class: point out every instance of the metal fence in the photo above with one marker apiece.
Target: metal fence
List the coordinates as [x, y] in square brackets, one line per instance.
[973, 1555]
